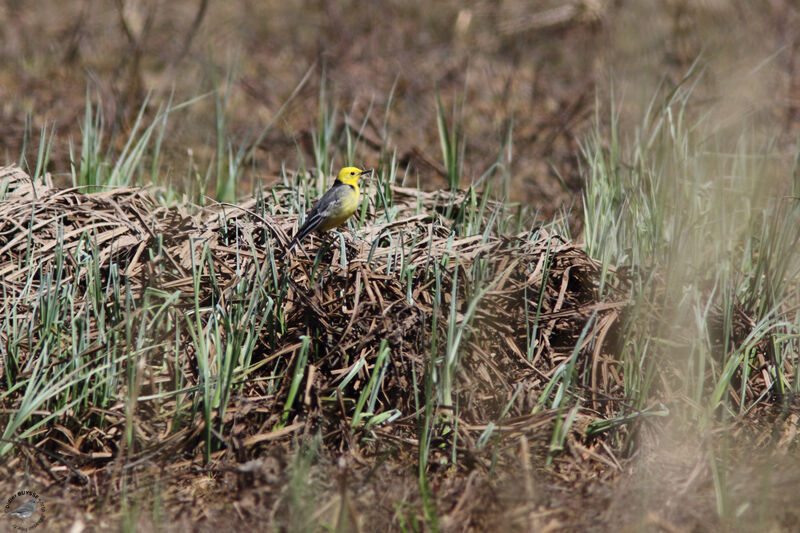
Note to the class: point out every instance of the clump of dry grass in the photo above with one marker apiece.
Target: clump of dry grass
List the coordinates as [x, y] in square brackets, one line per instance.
[341, 339]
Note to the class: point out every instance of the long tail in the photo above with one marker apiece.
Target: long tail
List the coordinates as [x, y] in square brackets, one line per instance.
[312, 223]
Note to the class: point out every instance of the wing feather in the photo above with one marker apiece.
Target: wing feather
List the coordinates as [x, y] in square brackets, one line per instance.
[329, 202]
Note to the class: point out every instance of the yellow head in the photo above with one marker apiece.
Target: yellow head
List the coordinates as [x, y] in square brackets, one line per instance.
[350, 175]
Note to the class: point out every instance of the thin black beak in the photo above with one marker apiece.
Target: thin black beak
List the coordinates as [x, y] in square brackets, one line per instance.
[368, 171]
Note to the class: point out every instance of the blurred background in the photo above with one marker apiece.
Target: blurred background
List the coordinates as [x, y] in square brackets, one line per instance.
[526, 77]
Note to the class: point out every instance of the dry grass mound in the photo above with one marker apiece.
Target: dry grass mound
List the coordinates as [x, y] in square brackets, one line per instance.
[403, 332]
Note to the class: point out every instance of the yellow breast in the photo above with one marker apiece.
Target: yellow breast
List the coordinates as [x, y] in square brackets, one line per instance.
[348, 206]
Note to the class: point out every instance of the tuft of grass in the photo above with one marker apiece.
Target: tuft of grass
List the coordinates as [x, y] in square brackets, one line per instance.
[700, 220]
[323, 138]
[230, 160]
[451, 140]
[98, 167]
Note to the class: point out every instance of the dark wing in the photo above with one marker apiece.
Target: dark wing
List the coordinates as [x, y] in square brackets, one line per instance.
[317, 215]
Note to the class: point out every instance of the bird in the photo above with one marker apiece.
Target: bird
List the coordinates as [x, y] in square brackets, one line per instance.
[25, 510]
[335, 206]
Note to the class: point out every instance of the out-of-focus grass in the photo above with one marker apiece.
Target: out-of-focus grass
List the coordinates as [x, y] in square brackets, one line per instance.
[704, 219]
[251, 60]
[699, 210]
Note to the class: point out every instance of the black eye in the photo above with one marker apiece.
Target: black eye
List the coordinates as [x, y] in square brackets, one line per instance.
[352, 173]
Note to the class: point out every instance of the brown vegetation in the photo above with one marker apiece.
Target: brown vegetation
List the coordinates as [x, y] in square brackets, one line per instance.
[537, 71]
